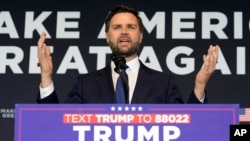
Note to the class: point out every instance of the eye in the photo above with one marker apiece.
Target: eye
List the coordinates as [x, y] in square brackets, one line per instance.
[116, 27]
[132, 27]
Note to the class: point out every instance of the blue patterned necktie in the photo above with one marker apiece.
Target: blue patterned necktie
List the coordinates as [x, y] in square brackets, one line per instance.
[120, 91]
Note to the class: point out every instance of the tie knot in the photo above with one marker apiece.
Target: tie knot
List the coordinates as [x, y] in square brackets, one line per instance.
[124, 68]
[120, 68]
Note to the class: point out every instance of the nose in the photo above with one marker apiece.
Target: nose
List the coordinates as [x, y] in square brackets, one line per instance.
[124, 30]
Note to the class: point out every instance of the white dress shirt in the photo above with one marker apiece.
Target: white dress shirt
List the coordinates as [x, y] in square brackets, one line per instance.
[132, 73]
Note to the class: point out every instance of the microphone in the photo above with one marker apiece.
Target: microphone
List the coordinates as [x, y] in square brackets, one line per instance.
[119, 61]
[120, 64]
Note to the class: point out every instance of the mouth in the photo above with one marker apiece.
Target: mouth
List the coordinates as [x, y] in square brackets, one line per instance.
[124, 41]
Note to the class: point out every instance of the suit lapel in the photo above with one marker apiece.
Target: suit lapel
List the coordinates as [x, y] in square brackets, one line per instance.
[143, 85]
[105, 85]
[142, 88]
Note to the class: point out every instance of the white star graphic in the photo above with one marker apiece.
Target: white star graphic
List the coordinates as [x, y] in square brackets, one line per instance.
[140, 108]
[126, 108]
[133, 108]
[119, 108]
[112, 108]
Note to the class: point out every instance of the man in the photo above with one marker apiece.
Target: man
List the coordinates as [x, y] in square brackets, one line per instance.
[124, 33]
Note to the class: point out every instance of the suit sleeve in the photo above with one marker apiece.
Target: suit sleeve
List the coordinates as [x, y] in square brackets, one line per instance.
[194, 100]
[52, 98]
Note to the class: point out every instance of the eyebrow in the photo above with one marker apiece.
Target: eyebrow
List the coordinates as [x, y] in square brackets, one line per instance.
[130, 24]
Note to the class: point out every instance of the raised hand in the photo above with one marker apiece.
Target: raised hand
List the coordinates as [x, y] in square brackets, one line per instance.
[209, 64]
[45, 61]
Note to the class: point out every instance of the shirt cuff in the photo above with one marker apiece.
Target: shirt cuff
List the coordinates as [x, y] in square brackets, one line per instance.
[203, 99]
[44, 92]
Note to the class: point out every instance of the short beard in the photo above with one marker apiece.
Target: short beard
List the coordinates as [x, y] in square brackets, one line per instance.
[134, 49]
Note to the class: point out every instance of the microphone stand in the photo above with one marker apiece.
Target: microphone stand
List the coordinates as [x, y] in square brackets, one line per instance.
[120, 64]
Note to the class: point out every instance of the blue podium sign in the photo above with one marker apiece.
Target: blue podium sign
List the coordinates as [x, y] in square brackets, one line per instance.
[134, 122]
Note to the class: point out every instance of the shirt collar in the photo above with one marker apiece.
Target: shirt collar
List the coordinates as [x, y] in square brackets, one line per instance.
[133, 65]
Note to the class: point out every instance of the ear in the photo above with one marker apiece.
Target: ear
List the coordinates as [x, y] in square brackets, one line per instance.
[141, 37]
[107, 38]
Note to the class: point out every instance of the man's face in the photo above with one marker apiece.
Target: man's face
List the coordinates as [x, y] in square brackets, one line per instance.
[124, 36]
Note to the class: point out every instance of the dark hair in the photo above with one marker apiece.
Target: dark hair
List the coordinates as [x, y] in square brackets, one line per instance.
[123, 9]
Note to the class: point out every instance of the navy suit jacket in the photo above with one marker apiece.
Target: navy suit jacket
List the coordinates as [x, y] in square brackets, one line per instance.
[152, 87]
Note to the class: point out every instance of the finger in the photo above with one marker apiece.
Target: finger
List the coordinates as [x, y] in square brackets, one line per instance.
[41, 39]
[209, 64]
[205, 62]
[47, 52]
[43, 50]
[211, 60]
[215, 52]
[42, 47]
